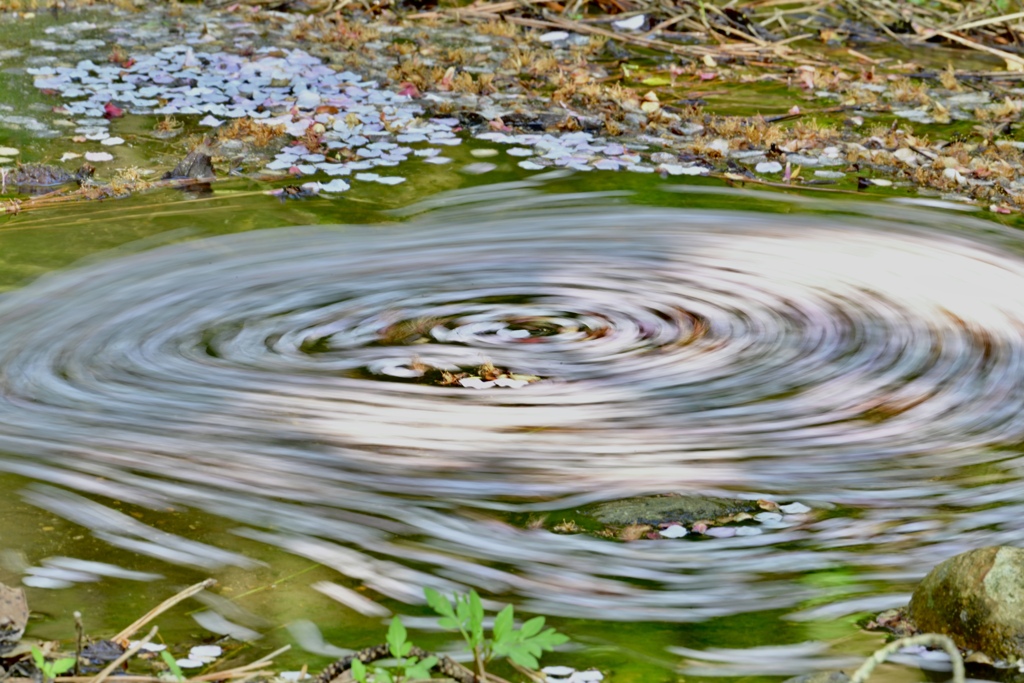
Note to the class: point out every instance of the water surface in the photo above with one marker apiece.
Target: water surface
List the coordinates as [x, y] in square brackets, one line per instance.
[862, 360]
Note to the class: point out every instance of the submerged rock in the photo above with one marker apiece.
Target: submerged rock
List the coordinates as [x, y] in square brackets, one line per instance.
[196, 164]
[977, 599]
[672, 516]
[42, 177]
[682, 509]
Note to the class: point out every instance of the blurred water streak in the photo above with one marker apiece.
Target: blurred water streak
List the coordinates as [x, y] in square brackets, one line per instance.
[836, 360]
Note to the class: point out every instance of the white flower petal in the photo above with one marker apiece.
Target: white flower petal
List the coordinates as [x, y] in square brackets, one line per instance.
[205, 651]
[674, 531]
[634, 23]
[190, 663]
[336, 185]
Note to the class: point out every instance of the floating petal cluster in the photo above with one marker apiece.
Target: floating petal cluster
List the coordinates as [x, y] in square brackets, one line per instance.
[374, 127]
[290, 88]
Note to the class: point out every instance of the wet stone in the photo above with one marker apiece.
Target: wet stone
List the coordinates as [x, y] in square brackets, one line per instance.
[977, 599]
[41, 177]
[101, 652]
[196, 164]
[665, 509]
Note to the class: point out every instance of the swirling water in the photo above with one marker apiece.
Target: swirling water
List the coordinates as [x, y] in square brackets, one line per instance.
[867, 363]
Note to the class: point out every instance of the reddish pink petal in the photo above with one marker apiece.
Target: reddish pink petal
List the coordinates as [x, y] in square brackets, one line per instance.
[112, 111]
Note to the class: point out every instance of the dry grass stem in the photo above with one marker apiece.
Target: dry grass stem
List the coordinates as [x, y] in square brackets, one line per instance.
[152, 614]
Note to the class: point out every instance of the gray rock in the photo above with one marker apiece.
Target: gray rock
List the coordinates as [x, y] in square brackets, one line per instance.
[977, 599]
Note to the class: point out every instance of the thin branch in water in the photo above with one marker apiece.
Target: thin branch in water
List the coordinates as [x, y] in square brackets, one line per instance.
[152, 614]
[926, 639]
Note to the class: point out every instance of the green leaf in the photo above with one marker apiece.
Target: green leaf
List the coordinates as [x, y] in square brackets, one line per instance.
[450, 623]
[421, 669]
[462, 609]
[503, 623]
[532, 627]
[657, 80]
[551, 639]
[476, 618]
[61, 665]
[396, 638]
[524, 659]
[172, 664]
[358, 671]
[38, 658]
[381, 676]
[439, 603]
[476, 606]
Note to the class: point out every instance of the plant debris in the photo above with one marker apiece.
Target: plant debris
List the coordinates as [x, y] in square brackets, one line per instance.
[557, 85]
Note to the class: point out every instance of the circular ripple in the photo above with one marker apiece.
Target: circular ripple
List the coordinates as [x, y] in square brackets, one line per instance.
[860, 362]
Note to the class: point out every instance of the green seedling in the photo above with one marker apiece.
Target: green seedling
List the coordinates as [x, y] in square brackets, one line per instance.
[405, 667]
[522, 646]
[172, 664]
[51, 669]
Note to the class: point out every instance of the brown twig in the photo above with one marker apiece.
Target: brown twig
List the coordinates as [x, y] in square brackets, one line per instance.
[16, 206]
[1016, 61]
[926, 639]
[1003, 19]
[125, 656]
[152, 614]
